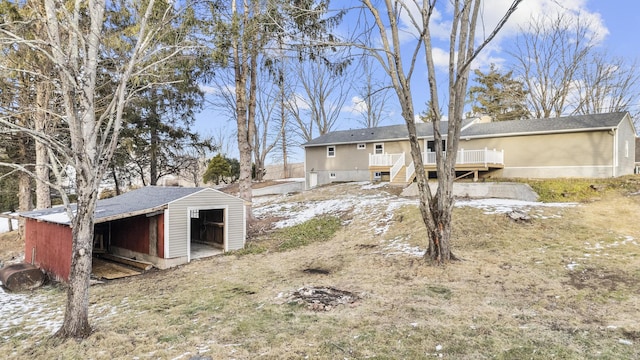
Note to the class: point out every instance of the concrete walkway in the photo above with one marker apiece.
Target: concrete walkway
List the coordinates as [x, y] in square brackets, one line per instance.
[517, 191]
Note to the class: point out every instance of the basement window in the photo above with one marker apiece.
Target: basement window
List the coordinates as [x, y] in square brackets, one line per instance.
[377, 175]
[332, 175]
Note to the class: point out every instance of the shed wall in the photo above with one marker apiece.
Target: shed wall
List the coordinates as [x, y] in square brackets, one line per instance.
[131, 234]
[177, 238]
[51, 245]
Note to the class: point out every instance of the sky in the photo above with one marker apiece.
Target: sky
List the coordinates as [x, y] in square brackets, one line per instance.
[614, 22]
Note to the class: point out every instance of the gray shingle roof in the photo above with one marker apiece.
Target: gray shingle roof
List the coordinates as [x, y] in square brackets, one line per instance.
[382, 133]
[553, 125]
[498, 128]
[139, 201]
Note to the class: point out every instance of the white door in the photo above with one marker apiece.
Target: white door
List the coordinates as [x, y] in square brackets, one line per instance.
[313, 180]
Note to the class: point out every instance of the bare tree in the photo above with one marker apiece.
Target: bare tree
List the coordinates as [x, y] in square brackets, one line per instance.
[317, 105]
[436, 209]
[74, 34]
[371, 101]
[268, 129]
[606, 85]
[549, 55]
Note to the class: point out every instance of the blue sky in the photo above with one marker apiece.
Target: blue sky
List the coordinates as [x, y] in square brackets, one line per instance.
[614, 21]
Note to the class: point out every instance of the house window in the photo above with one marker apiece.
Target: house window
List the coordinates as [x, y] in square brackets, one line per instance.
[362, 146]
[331, 151]
[378, 149]
[332, 175]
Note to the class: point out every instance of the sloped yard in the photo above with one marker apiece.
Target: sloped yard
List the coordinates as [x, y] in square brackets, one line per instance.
[564, 285]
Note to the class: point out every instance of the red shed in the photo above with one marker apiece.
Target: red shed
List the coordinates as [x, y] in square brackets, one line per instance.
[166, 226]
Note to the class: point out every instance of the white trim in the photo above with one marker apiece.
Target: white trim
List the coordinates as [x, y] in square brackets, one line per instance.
[166, 234]
[375, 146]
[334, 151]
[615, 152]
[225, 242]
[244, 226]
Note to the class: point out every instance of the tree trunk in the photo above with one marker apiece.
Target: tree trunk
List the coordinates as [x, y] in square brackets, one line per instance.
[241, 71]
[43, 192]
[76, 316]
[116, 183]
[25, 202]
[153, 156]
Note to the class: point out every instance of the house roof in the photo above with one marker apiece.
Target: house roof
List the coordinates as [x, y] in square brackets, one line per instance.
[382, 133]
[550, 125]
[136, 202]
[471, 129]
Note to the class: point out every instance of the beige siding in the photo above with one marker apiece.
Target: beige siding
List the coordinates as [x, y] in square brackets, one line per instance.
[349, 162]
[582, 154]
[177, 239]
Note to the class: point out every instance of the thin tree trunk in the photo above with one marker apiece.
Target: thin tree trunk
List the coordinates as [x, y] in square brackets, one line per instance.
[244, 139]
[153, 156]
[76, 316]
[43, 192]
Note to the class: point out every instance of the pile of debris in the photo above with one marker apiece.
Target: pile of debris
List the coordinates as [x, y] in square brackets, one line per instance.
[323, 298]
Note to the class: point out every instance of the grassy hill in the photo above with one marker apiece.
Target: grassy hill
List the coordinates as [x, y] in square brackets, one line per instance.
[565, 285]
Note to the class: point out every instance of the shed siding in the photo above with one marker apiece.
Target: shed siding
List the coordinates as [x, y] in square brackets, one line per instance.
[131, 234]
[177, 239]
[626, 147]
[51, 245]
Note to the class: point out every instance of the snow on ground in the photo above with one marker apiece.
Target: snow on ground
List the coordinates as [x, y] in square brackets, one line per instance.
[4, 224]
[600, 249]
[503, 206]
[32, 312]
[28, 311]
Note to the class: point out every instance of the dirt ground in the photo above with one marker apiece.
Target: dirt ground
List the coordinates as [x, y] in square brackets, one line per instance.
[564, 285]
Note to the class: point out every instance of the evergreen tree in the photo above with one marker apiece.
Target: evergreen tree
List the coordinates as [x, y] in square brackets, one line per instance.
[498, 95]
[217, 170]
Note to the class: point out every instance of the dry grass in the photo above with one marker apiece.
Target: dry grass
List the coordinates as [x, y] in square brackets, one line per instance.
[513, 297]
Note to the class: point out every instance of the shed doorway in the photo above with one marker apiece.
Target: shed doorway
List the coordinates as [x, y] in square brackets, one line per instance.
[208, 235]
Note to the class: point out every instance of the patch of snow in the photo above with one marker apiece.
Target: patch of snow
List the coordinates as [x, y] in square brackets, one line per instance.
[4, 224]
[369, 186]
[503, 206]
[30, 311]
[572, 265]
[398, 247]
[625, 341]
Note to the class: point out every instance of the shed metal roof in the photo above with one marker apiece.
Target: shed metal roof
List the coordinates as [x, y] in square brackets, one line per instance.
[136, 202]
[492, 129]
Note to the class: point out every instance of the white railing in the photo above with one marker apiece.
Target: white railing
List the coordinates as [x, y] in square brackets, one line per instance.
[395, 169]
[410, 170]
[484, 156]
[384, 159]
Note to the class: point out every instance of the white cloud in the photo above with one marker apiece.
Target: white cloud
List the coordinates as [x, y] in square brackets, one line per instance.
[357, 106]
[532, 9]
